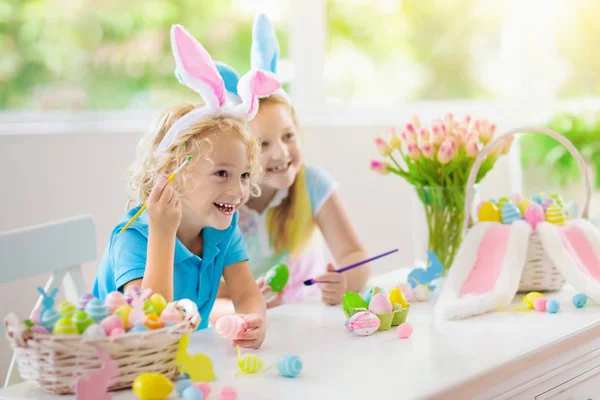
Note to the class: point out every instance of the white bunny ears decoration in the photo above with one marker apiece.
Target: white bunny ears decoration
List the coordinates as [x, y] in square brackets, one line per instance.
[196, 70]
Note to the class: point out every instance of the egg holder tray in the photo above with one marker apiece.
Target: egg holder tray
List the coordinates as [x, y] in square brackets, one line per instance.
[386, 320]
[56, 362]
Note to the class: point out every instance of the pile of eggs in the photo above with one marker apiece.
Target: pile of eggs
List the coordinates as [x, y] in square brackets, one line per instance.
[536, 301]
[535, 210]
[92, 317]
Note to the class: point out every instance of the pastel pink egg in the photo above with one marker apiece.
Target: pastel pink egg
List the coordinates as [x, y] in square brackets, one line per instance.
[117, 331]
[539, 304]
[170, 314]
[516, 198]
[110, 323]
[227, 393]
[228, 326]
[114, 300]
[35, 316]
[380, 304]
[204, 388]
[363, 323]
[534, 214]
[404, 330]
[408, 292]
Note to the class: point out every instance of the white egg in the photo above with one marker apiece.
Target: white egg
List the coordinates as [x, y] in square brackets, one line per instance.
[95, 330]
[421, 292]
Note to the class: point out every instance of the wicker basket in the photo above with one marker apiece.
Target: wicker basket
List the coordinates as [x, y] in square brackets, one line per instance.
[539, 273]
[56, 362]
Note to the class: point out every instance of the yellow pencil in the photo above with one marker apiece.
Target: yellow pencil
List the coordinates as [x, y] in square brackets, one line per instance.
[141, 210]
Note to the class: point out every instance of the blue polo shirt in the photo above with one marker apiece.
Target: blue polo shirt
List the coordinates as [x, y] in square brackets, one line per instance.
[195, 278]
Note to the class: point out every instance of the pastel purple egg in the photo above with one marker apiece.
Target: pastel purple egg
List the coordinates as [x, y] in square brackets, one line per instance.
[547, 203]
[35, 316]
[534, 214]
[84, 299]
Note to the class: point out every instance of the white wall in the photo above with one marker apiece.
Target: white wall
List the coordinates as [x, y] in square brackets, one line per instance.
[47, 177]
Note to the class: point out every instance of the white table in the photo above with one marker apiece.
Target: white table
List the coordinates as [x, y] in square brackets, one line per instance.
[499, 355]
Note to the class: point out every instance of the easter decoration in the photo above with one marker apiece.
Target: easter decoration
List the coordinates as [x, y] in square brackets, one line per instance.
[435, 159]
[152, 386]
[229, 326]
[198, 366]
[404, 330]
[248, 363]
[500, 257]
[277, 277]
[289, 365]
[94, 385]
[48, 316]
[579, 300]
[227, 393]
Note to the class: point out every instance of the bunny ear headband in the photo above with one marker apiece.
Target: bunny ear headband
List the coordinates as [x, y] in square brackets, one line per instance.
[196, 70]
[264, 56]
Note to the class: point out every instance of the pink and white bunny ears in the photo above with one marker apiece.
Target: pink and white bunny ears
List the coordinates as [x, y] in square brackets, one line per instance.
[196, 70]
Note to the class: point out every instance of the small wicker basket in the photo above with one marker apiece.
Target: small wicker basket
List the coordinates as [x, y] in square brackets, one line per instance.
[56, 362]
[539, 273]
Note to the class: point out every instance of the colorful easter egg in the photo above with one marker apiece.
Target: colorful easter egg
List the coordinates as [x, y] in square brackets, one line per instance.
[227, 393]
[364, 323]
[229, 326]
[117, 332]
[534, 214]
[152, 322]
[523, 204]
[516, 198]
[96, 310]
[65, 326]
[404, 330]
[35, 316]
[152, 386]
[547, 203]
[66, 309]
[289, 365]
[250, 363]
[558, 199]
[407, 291]
[353, 300]
[502, 201]
[192, 393]
[396, 297]
[555, 215]
[539, 304]
[81, 320]
[111, 322]
[537, 199]
[510, 214]
[123, 313]
[277, 277]
[149, 309]
[530, 298]
[158, 302]
[49, 318]
[170, 314]
[84, 299]
[489, 213]
[370, 292]
[204, 387]
[114, 300]
[95, 331]
[380, 304]
[183, 384]
[138, 328]
[579, 300]
[552, 306]
[421, 292]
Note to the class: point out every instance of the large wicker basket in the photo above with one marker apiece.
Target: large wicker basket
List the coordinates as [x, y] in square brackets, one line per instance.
[56, 362]
[539, 273]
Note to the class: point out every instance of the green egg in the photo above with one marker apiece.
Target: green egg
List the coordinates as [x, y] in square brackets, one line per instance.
[353, 300]
[82, 320]
[559, 200]
[65, 326]
[66, 309]
[277, 277]
[149, 309]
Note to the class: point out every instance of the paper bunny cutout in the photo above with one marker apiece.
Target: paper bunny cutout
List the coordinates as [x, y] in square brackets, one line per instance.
[48, 298]
[94, 385]
[137, 314]
[196, 70]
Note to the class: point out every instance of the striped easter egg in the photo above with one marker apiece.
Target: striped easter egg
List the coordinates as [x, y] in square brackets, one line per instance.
[502, 201]
[555, 215]
[152, 322]
[537, 199]
[250, 363]
[66, 309]
[49, 318]
[96, 310]
[84, 299]
[228, 326]
[170, 314]
[510, 214]
[559, 200]
[81, 320]
[114, 300]
[364, 323]
[289, 365]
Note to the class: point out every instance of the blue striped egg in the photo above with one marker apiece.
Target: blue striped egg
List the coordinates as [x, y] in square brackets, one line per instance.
[537, 199]
[96, 309]
[510, 213]
[289, 365]
[49, 318]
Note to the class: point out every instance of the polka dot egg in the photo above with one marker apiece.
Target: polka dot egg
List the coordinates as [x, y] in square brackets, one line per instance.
[228, 326]
[66, 309]
[289, 365]
[114, 300]
[96, 310]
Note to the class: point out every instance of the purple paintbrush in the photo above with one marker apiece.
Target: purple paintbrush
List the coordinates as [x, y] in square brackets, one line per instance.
[312, 281]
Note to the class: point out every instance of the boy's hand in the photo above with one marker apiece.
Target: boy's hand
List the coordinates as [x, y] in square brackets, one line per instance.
[265, 289]
[253, 332]
[332, 285]
[164, 208]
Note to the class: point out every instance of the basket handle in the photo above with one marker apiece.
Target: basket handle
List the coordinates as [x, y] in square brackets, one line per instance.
[539, 130]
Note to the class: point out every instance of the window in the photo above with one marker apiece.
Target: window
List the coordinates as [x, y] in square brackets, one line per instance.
[115, 54]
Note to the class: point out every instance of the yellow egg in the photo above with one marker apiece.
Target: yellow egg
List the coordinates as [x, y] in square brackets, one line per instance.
[152, 386]
[123, 313]
[555, 215]
[158, 302]
[530, 298]
[397, 297]
[523, 204]
[488, 212]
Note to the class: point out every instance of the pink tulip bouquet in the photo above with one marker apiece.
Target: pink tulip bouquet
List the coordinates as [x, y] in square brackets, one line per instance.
[436, 160]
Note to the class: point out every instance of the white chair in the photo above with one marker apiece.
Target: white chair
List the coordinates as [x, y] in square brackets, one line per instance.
[59, 247]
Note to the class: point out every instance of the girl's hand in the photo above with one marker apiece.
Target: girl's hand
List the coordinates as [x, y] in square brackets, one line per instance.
[164, 209]
[332, 285]
[253, 332]
[276, 300]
